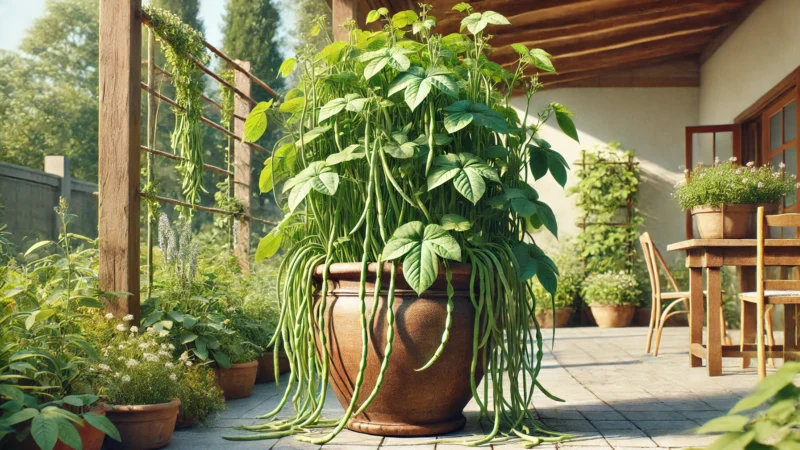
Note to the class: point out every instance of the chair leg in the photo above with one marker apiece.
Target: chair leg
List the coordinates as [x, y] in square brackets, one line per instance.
[662, 321]
[762, 361]
[726, 340]
[651, 328]
[770, 336]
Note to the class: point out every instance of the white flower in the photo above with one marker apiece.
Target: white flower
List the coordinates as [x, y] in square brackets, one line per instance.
[782, 165]
[128, 317]
[126, 378]
[151, 330]
[776, 175]
[109, 316]
[761, 185]
[171, 347]
[132, 363]
[794, 177]
[116, 374]
[121, 358]
[150, 357]
[753, 170]
[744, 180]
[144, 345]
[226, 321]
[702, 175]
[163, 346]
[797, 186]
[134, 329]
[685, 170]
[173, 377]
[184, 357]
[163, 333]
[188, 364]
[751, 164]
[120, 327]
[163, 353]
[716, 161]
[738, 171]
[169, 365]
[104, 367]
[732, 159]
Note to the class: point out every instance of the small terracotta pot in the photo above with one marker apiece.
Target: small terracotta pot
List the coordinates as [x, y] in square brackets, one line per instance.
[91, 437]
[409, 402]
[238, 381]
[737, 222]
[143, 427]
[266, 367]
[613, 316]
[545, 318]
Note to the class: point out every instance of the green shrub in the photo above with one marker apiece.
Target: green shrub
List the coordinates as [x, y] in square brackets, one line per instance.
[610, 288]
[199, 393]
[729, 183]
[571, 276]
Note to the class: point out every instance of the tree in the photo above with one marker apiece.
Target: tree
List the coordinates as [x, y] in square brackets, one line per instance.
[187, 10]
[307, 13]
[50, 90]
[249, 29]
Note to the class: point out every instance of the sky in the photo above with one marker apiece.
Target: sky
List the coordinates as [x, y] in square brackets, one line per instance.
[16, 16]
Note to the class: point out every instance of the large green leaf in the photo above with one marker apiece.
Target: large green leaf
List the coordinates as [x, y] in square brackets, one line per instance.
[400, 147]
[45, 431]
[332, 53]
[103, 424]
[539, 58]
[467, 172]
[310, 135]
[422, 246]
[544, 158]
[455, 222]
[564, 119]
[404, 19]
[287, 67]
[376, 60]
[269, 244]
[21, 416]
[768, 387]
[350, 102]
[547, 217]
[69, 435]
[724, 424]
[350, 153]
[317, 176]
[256, 123]
[532, 261]
[477, 22]
[463, 112]
[417, 83]
[277, 167]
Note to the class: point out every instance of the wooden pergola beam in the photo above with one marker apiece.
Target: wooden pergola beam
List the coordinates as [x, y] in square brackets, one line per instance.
[119, 144]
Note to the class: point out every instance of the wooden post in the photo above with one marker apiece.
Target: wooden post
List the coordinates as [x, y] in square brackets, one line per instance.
[59, 166]
[242, 156]
[118, 161]
[343, 10]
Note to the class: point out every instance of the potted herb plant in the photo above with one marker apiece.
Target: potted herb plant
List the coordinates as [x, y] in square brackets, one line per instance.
[239, 377]
[723, 198]
[407, 206]
[200, 395]
[139, 378]
[612, 297]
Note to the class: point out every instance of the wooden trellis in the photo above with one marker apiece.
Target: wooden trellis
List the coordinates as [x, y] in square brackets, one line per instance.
[120, 149]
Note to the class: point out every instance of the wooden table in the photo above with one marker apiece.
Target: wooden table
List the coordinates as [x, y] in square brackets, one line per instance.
[712, 255]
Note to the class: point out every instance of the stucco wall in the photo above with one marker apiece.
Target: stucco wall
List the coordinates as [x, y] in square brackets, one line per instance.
[648, 121]
[759, 54]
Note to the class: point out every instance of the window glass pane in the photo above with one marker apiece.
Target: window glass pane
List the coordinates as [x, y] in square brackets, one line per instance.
[776, 161]
[702, 148]
[790, 158]
[790, 122]
[775, 136]
[723, 145]
[789, 233]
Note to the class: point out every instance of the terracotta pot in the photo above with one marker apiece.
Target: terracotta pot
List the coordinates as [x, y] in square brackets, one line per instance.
[91, 437]
[238, 381]
[642, 318]
[409, 403]
[266, 367]
[545, 318]
[613, 316]
[143, 427]
[185, 421]
[739, 221]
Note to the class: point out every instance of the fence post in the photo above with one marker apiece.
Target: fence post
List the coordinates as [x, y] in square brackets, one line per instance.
[118, 146]
[59, 166]
[242, 176]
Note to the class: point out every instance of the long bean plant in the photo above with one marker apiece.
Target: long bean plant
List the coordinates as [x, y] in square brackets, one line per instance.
[402, 147]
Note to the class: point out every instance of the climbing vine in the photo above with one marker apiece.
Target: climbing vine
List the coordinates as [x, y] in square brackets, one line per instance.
[182, 45]
[607, 193]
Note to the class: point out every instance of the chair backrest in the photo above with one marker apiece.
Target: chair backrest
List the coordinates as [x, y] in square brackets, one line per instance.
[764, 222]
[653, 258]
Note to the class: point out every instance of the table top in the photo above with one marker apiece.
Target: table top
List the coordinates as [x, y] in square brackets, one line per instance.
[706, 243]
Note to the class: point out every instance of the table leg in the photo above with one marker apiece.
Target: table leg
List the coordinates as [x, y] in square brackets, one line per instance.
[696, 312]
[790, 333]
[714, 341]
[747, 283]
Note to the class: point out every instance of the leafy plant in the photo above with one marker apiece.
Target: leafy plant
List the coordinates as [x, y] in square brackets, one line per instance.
[182, 45]
[609, 288]
[199, 392]
[774, 426]
[571, 275]
[402, 146]
[608, 179]
[728, 183]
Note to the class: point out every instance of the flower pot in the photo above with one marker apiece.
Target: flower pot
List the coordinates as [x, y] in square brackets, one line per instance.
[545, 318]
[143, 427]
[728, 222]
[238, 381]
[266, 367]
[410, 402]
[91, 437]
[613, 316]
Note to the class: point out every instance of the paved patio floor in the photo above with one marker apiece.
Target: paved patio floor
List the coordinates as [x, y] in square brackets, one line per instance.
[616, 397]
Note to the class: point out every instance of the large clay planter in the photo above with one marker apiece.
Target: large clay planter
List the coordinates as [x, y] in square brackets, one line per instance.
[266, 367]
[238, 381]
[91, 437]
[143, 427]
[735, 222]
[409, 403]
[545, 318]
[613, 316]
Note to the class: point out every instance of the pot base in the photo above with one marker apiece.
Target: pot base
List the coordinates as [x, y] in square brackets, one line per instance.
[407, 430]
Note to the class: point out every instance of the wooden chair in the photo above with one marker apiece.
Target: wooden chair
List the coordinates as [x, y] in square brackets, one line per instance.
[659, 317]
[774, 292]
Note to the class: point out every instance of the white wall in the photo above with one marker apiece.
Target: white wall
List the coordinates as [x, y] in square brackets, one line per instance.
[648, 121]
[759, 54]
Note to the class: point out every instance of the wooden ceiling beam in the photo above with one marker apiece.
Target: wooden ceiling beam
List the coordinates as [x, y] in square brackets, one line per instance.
[657, 72]
[723, 36]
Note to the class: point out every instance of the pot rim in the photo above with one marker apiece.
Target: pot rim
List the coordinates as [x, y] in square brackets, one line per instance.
[593, 305]
[734, 207]
[144, 408]
[352, 270]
